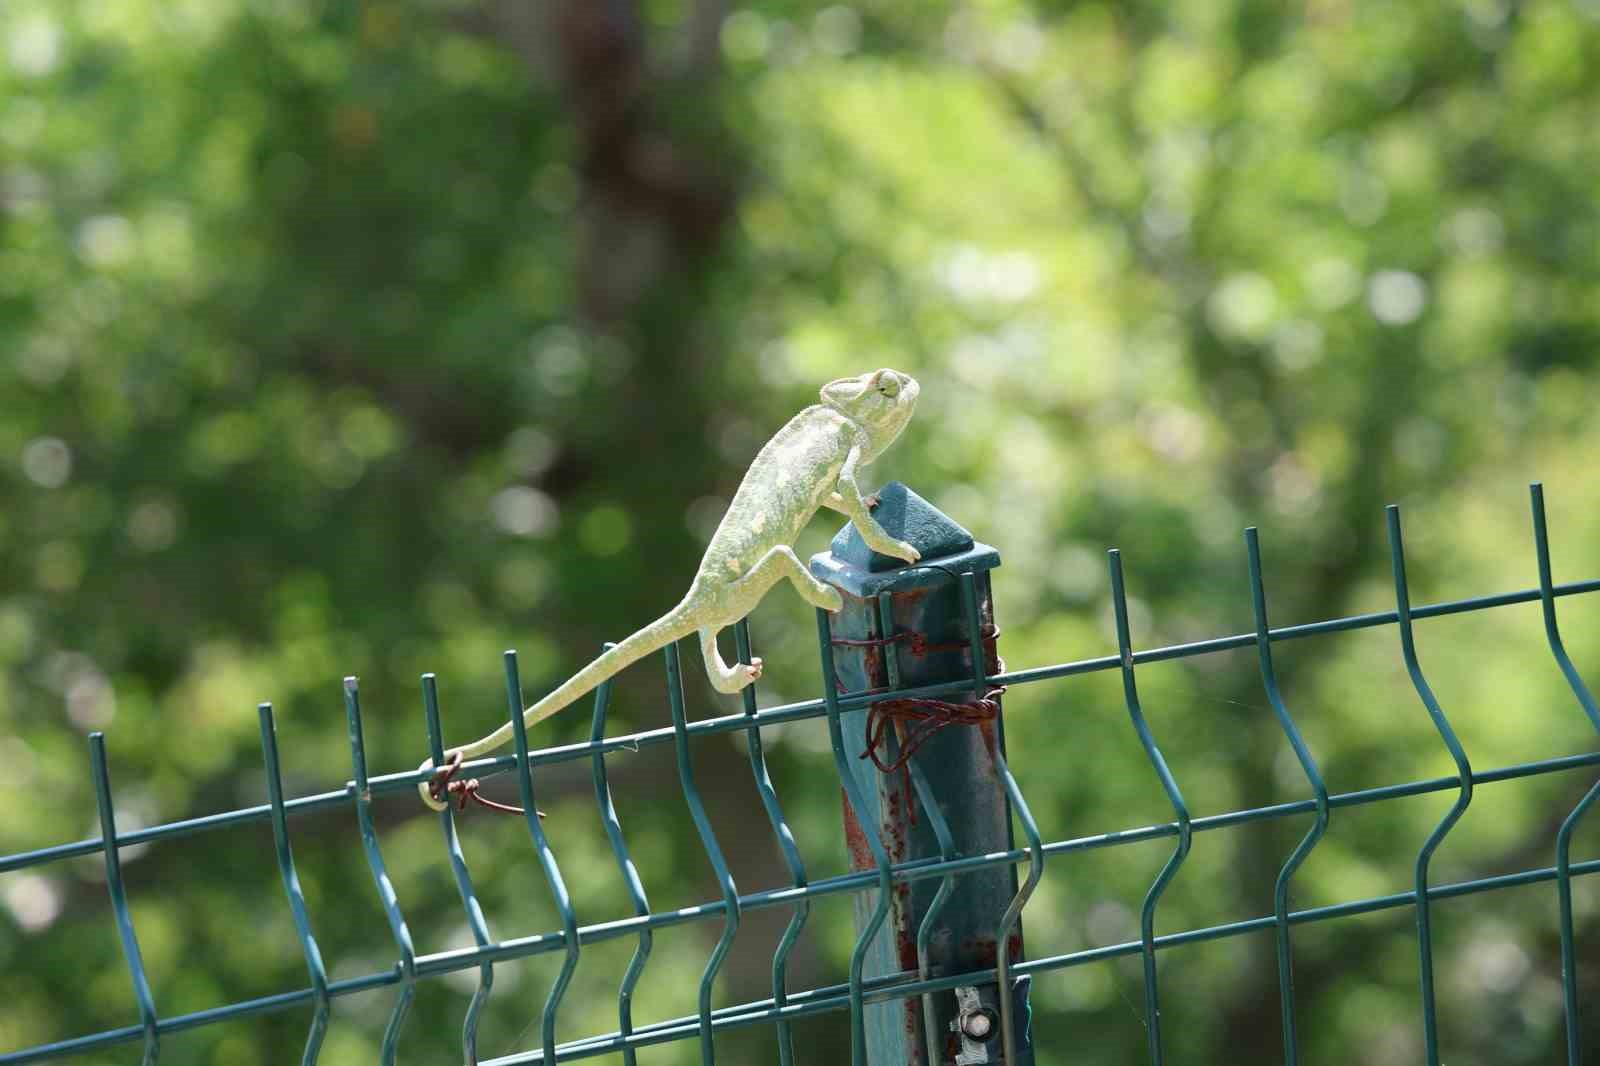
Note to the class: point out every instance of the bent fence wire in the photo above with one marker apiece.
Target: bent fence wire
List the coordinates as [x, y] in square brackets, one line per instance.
[785, 1005]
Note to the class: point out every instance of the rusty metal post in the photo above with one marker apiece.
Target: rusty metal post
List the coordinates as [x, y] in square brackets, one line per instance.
[905, 626]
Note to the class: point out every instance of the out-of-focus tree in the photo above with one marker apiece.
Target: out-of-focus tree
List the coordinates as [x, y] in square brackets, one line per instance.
[374, 338]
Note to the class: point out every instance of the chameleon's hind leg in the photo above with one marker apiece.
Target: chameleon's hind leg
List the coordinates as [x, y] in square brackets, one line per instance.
[725, 678]
[781, 562]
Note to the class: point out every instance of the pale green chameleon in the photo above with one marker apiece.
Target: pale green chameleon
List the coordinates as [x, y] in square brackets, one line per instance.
[811, 463]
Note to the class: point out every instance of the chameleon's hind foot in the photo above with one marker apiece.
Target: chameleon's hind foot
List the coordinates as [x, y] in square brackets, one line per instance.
[737, 678]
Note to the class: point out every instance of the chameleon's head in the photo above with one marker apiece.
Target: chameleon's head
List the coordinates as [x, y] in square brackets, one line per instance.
[880, 402]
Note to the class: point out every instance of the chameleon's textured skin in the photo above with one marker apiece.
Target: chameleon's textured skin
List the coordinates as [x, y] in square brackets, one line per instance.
[811, 463]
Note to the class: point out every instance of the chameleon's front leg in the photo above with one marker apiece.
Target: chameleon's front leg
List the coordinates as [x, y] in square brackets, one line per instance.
[836, 502]
[847, 500]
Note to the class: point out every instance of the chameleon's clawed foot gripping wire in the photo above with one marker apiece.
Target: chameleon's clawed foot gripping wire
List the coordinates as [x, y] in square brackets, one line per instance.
[443, 784]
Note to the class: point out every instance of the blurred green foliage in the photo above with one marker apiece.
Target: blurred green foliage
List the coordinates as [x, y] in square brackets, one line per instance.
[375, 337]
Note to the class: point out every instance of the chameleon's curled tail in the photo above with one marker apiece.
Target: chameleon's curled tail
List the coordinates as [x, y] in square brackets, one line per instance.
[671, 626]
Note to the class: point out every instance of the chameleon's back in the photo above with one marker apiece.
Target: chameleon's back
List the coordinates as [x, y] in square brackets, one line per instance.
[780, 492]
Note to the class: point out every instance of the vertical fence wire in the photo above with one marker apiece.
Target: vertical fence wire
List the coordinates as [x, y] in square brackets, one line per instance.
[786, 844]
[1408, 648]
[291, 887]
[1013, 911]
[380, 876]
[929, 804]
[1147, 916]
[1569, 965]
[708, 840]
[119, 898]
[547, 861]
[891, 651]
[947, 884]
[1308, 765]
[458, 866]
[867, 821]
[625, 866]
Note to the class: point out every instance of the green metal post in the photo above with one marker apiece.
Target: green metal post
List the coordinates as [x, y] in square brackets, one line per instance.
[905, 626]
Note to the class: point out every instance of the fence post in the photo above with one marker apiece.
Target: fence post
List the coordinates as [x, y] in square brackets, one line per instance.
[905, 626]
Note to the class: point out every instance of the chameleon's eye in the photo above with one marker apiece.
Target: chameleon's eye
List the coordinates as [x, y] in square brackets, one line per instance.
[889, 384]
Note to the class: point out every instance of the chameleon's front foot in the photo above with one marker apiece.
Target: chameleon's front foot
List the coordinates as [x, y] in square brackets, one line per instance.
[902, 550]
[879, 540]
[898, 549]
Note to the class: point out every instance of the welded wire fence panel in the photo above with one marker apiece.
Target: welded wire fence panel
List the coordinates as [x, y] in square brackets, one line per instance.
[795, 896]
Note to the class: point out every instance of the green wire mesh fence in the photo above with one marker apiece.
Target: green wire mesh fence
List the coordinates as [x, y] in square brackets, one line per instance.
[878, 882]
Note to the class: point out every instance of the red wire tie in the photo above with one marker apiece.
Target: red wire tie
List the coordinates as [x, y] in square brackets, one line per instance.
[919, 641]
[915, 720]
[443, 784]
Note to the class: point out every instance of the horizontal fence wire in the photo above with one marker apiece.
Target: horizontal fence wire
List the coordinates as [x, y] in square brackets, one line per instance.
[852, 996]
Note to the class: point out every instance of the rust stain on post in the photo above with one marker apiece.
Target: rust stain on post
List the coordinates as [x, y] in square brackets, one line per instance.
[855, 841]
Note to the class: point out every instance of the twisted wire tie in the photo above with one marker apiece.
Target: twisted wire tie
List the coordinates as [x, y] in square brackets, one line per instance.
[916, 719]
[443, 783]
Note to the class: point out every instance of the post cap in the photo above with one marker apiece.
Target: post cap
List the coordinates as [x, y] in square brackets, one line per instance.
[860, 571]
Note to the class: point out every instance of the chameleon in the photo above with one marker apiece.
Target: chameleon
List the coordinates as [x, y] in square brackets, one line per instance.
[811, 463]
